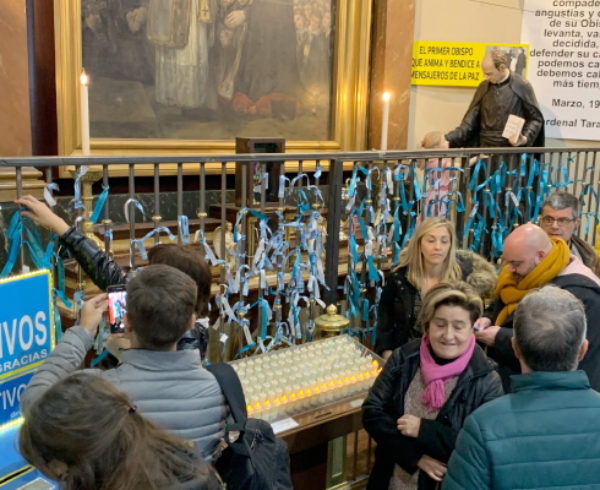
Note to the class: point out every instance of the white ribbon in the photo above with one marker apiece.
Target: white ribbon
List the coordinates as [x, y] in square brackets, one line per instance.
[50, 201]
[137, 205]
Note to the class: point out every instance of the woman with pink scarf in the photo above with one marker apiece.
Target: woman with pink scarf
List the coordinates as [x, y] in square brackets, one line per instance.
[426, 390]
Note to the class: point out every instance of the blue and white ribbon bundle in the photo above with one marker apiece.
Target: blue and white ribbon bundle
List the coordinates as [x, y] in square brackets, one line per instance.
[139, 243]
[22, 235]
[384, 205]
[500, 199]
[76, 202]
[301, 262]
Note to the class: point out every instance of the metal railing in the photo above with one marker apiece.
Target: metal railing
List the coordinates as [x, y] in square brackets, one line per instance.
[281, 264]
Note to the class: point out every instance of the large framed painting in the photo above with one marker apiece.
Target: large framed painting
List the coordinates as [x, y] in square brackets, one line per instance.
[188, 76]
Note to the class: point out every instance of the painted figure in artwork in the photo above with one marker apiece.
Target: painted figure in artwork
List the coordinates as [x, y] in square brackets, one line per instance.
[183, 33]
[209, 69]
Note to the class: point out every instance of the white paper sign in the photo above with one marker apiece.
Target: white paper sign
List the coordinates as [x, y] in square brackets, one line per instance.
[283, 425]
[356, 403]
[513, 127]
[564, 65]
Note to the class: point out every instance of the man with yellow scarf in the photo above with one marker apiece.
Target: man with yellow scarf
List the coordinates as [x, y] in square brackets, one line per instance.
[533, 259]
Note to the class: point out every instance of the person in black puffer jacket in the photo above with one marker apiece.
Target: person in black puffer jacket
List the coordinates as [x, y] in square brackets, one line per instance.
[428, 387]
[429, 257]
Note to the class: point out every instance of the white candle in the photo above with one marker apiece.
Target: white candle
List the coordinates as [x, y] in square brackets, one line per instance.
[384, 120]
[85, 114]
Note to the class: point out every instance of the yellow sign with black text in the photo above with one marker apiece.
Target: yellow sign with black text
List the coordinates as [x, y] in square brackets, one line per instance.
[458, 64]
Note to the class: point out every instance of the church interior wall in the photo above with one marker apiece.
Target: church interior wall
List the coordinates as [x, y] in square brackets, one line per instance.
[461, 21]
[15, 132]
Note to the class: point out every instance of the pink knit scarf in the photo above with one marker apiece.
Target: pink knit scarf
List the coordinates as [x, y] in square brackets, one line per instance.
[437, 376]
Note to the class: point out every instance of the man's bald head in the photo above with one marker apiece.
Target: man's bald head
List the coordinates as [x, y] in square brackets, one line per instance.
[525, 248]
[529, 236]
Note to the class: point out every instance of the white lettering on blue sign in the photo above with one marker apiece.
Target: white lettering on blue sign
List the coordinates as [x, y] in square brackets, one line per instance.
[26, 334]
[9, 398]
[26, 322]
[23, 361]
[11, 390]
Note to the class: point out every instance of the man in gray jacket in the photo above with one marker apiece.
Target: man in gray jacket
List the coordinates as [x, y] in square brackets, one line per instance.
[169, 387]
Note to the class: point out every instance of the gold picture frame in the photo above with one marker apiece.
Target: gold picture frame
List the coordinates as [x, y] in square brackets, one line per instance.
[348, 103]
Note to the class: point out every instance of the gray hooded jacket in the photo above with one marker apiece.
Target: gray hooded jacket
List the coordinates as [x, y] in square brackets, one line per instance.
[171, 388]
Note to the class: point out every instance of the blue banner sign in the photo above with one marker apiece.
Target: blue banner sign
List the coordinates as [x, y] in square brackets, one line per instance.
[10, 396]
[26, 322]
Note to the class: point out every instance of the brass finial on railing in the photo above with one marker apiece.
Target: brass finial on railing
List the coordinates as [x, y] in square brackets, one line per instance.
[331, 323]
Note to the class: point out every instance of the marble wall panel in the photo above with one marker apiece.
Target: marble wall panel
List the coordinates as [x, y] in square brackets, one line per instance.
[391, 59]
[15, 127]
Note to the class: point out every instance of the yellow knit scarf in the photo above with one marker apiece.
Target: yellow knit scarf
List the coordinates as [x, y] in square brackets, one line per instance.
[511, 292]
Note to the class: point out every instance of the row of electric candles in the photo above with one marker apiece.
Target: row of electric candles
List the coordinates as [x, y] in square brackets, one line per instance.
[292, 402]
[308, 375]
[85, 116]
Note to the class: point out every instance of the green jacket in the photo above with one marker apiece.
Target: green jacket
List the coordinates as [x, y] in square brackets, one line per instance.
[544, 435]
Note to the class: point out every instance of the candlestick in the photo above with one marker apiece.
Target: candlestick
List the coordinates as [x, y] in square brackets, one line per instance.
[384, 120]
[85, 114]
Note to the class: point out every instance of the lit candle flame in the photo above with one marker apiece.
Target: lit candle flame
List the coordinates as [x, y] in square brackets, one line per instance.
[84, 79]
[386, 96]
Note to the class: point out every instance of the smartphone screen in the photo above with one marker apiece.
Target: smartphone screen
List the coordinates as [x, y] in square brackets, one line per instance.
[117, 307]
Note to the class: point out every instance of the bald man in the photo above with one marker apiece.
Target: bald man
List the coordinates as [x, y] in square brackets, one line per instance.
[501, 93]
[533, 259]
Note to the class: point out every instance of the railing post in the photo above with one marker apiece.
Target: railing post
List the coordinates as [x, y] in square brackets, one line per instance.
[156, 217]
[131, 214]
[106, 222]
[334, 214]
[180, 230]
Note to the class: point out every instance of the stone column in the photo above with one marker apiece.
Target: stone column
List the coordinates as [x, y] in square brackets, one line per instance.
[15, 123]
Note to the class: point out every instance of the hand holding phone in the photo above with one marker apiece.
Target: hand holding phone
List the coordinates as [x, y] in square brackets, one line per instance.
[117, 308]
[92, 312]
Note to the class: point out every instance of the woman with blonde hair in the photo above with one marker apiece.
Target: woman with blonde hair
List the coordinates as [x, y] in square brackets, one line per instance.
[429, 258]
[428, 387]
[86, 434]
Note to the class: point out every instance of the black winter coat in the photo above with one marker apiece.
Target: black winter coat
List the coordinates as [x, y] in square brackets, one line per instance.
[580, 286]
[467, 134]
[476, 385]
[98, 265]
[397, 318]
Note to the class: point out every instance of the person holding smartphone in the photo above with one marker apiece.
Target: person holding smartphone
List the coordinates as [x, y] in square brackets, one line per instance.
[169, 386]
[105, 272]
